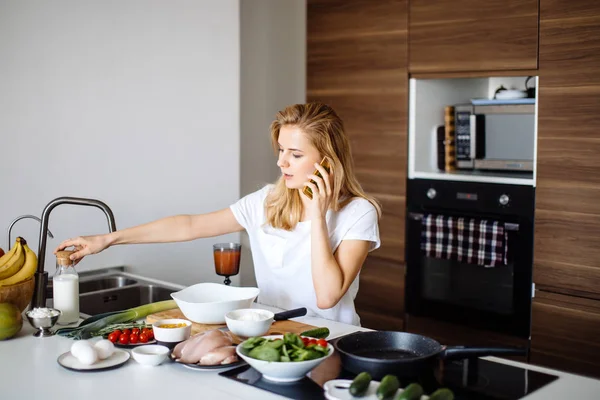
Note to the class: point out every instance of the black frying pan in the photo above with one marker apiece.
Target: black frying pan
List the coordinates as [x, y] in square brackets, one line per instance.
[403, 354]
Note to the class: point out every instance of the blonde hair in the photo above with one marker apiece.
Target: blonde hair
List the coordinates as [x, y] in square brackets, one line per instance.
[325, 130]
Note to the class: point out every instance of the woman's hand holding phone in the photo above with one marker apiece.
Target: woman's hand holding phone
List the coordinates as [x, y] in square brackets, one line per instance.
[318, 190]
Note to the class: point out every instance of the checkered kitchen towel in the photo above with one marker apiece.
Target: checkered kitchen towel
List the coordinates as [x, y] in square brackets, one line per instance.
[468, 240]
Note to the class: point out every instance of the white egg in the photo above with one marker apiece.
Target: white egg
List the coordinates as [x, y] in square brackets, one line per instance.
[78, 346]
[105, 348]
[87, 355]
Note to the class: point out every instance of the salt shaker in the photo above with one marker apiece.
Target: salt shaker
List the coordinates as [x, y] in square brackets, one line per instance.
[66, 288]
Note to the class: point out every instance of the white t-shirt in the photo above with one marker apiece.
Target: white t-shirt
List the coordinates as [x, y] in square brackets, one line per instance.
[282, 259]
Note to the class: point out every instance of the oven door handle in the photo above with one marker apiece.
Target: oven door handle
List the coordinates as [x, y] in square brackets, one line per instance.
[509, 226]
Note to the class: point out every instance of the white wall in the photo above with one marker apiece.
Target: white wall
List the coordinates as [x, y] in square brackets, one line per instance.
[273, 75]
[134, 102]
[141, 104]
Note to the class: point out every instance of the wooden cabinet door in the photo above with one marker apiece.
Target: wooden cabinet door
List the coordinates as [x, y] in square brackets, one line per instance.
[357, 63]
[566, 327]
[565, 332]
[567, 217]
[472, 35]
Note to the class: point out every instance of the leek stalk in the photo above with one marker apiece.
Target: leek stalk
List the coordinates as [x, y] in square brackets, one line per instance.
[92, 325]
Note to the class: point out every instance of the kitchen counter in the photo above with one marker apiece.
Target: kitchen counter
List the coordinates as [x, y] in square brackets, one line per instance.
[29, 369]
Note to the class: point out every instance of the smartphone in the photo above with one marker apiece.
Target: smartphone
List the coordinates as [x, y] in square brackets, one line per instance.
[325, 164]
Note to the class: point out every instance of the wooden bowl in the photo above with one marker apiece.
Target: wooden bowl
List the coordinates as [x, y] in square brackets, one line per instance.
[19, 294]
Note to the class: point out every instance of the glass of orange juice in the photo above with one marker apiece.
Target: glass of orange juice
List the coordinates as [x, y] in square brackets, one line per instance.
[227, 259]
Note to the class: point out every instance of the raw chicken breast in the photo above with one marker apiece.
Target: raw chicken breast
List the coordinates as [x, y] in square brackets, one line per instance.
[178, 350]
[218, 356]
[194, 351]
[230, 360]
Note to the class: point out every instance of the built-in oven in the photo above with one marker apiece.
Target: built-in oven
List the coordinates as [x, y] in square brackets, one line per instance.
[469, 254]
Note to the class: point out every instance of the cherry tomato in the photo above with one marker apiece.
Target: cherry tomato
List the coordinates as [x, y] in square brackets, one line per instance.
[124, 338]
[322, 342]
[135, 331]
[126, 331]
[118, 332]
[114, 337]
[133, 338]
[143, 338]
[305, 340]
[150, 334]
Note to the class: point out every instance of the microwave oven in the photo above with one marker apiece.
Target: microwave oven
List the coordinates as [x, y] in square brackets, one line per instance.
[495, 136]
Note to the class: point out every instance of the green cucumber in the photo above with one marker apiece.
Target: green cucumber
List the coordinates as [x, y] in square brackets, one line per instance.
[388, 387]
[360, 384]
[414, 391]
[442, 394]
[317, 333]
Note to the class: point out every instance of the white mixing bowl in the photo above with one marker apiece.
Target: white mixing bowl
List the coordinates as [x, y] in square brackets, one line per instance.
[207, 303]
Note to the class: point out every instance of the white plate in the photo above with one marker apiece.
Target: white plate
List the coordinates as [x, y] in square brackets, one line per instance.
[69, 361]
[219, 367]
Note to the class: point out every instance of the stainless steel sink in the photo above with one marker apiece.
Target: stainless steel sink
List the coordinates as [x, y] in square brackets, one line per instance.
[105, 283]
[122, 298]
[112, 290]
[90, 284]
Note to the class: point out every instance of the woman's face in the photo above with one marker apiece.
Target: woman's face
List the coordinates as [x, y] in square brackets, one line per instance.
[297, 156]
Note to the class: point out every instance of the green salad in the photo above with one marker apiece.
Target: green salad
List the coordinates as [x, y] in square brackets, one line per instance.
[291, 348]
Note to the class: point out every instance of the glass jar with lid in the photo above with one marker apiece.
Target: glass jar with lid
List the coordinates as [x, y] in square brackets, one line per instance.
[65, 285]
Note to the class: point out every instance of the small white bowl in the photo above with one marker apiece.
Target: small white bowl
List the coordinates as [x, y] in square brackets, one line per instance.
[172, 335]
[249, 322]
[150, 355]
[207, 303]
[282, 371]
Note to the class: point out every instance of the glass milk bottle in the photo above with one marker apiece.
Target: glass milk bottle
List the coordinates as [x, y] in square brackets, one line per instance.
[66, 288]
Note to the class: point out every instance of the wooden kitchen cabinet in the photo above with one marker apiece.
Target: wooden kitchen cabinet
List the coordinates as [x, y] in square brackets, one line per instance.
[567, 226]
[357, 63]
[565, 332]
[566, 310]
[473, 35]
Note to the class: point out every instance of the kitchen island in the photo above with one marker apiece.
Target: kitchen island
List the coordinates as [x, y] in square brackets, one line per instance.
[29, 369]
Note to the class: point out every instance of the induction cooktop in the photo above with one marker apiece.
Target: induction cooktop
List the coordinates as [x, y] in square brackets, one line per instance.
[468, 379]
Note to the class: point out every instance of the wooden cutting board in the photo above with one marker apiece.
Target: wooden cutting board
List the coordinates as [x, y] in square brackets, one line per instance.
[277, 328]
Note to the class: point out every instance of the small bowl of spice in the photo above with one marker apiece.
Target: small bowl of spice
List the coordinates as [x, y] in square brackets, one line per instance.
[43, 319]
[169, 332]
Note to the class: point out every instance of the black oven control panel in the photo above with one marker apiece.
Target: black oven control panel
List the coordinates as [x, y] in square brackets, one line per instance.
[476, 197]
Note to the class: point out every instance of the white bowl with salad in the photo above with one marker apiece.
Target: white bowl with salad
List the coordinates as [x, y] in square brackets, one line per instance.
[284, 358]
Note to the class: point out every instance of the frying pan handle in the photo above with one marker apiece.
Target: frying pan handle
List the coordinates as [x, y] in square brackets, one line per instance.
[458, 352]
[297, 312]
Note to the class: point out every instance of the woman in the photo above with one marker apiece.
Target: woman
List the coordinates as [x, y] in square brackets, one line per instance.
[307, 250]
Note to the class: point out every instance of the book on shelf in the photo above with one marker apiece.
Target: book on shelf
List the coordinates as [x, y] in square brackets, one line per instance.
[449, 139]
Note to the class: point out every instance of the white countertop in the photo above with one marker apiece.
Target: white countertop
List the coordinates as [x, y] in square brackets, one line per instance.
[29, 369]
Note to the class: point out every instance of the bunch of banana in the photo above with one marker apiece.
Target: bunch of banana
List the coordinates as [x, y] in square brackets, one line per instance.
[18, 265]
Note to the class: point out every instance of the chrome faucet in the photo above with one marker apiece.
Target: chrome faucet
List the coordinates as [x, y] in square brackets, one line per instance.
[41, 276]
[17, 220]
